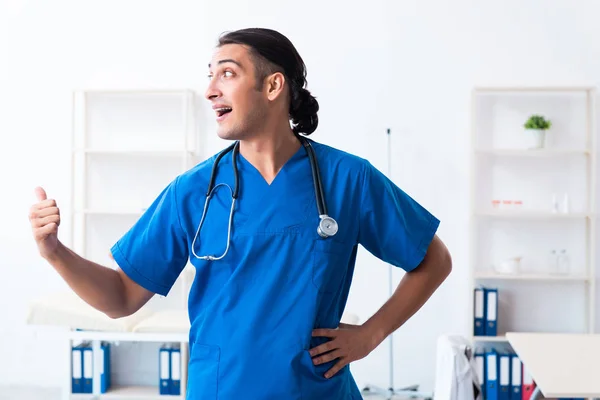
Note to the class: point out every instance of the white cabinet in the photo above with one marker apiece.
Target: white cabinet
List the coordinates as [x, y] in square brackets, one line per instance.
[127, 146]
[533, 225]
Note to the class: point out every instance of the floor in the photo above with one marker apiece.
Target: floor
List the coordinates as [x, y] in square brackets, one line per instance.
[29, 393]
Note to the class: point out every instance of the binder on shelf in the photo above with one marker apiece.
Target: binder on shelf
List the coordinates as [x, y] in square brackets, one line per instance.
[175, 386]
[479, 312]
[164, 368]
[504, 377]
[104, 367]
[481, 371]
[528, 385]
[491, 365]
[516, 378]
[88, 368]
[76, 369]
[491, 316]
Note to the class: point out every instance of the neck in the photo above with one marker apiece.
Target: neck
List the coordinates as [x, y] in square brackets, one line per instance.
[270, 150]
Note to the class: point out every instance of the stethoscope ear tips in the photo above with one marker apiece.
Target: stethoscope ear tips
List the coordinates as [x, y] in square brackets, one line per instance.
[327, 227]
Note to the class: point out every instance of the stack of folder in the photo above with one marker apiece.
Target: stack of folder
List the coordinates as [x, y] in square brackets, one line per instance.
[169, 365]
[82, 368]
[485, 311]
[503, 376]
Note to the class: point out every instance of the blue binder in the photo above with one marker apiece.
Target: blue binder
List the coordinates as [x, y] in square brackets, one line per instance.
[491, 361]
[105, 367]
[479, 312]
[88, 368]
[164, 370]
[504, 376]
[491, 316]
[175, 386]
[76, 369]
[516, 381]
[481, 371]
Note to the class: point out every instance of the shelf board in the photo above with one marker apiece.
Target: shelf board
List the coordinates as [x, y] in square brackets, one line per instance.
[138, 91]
[137, 153]
[528, 214]
[129, 336]
[131, 212]
[532, 89]
[498, 339]
[531, 277]
[127, 392]
[533, 152]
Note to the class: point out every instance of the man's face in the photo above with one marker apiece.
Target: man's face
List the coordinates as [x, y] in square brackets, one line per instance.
[239, 107]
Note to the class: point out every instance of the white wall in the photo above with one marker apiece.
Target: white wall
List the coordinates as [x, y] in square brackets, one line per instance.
[405, 65]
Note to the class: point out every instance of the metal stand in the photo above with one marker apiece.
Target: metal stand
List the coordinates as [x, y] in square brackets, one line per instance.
[409, 392]
[537, 394]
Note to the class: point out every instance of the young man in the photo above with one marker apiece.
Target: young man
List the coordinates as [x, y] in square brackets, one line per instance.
[274, 249]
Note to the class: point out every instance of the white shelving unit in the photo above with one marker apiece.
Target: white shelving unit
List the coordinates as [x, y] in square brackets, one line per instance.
[535, 298]
[127, 145]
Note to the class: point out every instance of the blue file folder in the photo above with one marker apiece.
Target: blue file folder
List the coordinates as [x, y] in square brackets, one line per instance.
[504, 376]
[516, 381]
[479, 312]
[164, 370]
[76, 369]
[105, 367]
[88, 368]
[491, 305]
[491, 361]
[481, 371]
[175, 386]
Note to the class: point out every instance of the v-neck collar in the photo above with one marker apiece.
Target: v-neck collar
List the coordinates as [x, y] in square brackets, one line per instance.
[245, 165]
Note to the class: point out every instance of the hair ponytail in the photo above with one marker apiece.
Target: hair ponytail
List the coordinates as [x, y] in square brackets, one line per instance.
[303, 111]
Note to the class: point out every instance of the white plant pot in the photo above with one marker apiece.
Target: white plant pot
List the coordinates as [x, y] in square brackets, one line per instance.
[536, 138]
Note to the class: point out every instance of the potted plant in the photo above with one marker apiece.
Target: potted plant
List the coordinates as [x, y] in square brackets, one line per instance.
[536, 126]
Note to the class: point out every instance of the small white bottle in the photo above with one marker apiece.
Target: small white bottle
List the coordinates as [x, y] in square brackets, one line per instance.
[565, 205]
[563, 263]
[553, 262]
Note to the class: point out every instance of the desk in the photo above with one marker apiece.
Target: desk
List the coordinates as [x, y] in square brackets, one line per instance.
[562, 365]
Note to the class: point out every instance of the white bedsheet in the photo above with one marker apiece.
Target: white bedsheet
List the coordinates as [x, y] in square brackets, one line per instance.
[66, 309]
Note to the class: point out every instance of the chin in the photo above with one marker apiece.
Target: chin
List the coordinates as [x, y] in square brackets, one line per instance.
[228, 132]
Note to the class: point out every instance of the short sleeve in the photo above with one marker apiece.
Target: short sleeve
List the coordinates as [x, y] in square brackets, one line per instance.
[393, 226]
[154, 251]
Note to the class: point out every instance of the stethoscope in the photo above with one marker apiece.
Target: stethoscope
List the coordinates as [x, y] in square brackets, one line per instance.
[327, 226]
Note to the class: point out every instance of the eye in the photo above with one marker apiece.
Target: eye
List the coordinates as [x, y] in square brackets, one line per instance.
[228, 74]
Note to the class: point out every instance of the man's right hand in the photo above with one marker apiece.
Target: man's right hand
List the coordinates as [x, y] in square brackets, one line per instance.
[45, 219]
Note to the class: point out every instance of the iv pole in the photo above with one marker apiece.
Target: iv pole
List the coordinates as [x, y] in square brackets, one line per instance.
[409, 391]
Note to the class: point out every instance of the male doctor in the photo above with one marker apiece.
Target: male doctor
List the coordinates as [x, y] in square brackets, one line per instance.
[271, 281]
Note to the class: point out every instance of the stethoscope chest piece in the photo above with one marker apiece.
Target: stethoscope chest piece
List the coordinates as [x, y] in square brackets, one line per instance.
[327, 226]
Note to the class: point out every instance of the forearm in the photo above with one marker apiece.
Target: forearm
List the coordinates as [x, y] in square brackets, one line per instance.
[413, 291]
[99, 286]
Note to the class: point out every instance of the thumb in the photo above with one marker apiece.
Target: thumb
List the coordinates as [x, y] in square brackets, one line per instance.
[40, 193]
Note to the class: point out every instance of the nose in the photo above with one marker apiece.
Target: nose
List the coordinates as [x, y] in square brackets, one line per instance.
[212, 91]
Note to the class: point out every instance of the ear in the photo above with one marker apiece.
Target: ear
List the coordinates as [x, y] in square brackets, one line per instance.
[275, 85]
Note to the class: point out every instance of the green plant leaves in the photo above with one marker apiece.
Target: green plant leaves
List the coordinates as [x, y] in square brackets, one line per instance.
[537, 122]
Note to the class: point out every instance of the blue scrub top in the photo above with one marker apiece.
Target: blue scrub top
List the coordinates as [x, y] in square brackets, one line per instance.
[252, 313]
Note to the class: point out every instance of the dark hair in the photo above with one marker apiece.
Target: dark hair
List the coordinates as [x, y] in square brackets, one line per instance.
[273, 52]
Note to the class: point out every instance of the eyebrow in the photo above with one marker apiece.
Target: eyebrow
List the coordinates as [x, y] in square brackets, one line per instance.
[227, 60]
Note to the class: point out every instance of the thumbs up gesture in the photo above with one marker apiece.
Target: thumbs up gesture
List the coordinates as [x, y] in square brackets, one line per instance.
[45, 219]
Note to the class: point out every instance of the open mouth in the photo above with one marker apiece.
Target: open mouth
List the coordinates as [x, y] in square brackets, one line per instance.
[222, 111]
